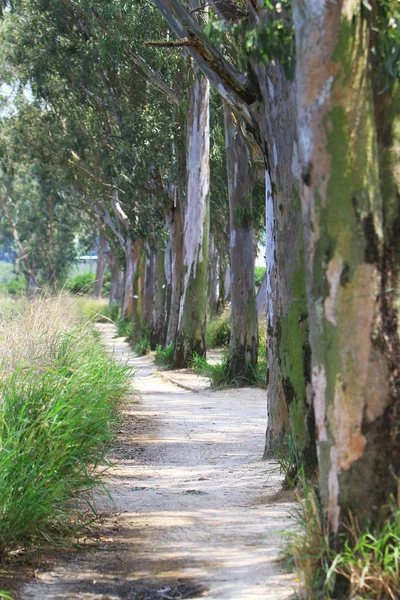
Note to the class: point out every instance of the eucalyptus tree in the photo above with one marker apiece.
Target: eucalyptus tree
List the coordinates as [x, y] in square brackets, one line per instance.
[349, 123]
[247, 52]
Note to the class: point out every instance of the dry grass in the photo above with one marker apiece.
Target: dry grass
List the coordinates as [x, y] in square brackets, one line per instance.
[29, 331]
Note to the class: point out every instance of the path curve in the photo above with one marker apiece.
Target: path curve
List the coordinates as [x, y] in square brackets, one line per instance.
[191, 513]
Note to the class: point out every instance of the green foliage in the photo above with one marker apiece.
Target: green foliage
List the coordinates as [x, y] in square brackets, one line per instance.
[259, 273]
[218, 372]
[164, 357]
[362, 562]
[124, 328]
[16, 286]
[142, 342]
[56, 423]
[218, 333]
[81, 284]
[113, 311]
[384, 18]
[92, 309]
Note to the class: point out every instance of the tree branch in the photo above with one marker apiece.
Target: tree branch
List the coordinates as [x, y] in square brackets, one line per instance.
[153, 78]
[233, 85]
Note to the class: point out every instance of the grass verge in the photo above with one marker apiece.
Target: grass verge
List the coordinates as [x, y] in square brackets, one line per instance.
[361, 563]
[59, 393]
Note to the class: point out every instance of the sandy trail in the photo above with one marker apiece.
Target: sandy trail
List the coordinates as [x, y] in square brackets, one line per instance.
[190, 513]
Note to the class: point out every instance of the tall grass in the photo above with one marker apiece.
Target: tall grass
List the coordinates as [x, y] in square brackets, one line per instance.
[362, 562]
[59, 392]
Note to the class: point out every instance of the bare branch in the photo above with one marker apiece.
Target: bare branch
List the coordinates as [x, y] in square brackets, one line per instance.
[169, 43]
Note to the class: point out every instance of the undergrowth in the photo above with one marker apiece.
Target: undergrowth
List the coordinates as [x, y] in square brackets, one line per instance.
[361, 563]
[218, 332]
[59, 391]
[164, 356]
[219, 376]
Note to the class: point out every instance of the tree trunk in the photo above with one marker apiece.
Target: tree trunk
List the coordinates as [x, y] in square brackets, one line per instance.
[117, 280]
[132, 253]
[138, 295]
[100, 267]
[212, 278]
[289, 400]
[243, 349]
[173, 272]
[193, 306]
[159, 321]
[261, 298]
[353, 315]
[149, 286]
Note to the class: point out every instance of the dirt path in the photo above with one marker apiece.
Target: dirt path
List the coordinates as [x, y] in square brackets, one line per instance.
[190, 513]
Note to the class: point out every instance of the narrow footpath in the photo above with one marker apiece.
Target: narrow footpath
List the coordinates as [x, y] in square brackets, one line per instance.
[193, 512]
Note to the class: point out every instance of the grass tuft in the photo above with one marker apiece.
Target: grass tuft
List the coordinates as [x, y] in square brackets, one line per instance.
[59, 391]
[164, 357]
[363, 562]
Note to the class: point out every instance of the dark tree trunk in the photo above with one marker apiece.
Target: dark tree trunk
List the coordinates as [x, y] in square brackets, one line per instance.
[242, 361]
[100, 267]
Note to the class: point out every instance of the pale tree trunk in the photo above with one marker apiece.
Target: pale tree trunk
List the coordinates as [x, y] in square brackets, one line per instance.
[212, 278]
[266, 101]
[117, 280]
[261, 298]
[159, 321]
[193, 305]
[100, 267]
[173, 271]
[149, 286]
[138, 295]
[243, 348]
[52, 268]
[132, 254]
[353, 315]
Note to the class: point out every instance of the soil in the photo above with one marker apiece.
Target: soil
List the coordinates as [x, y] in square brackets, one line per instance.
[192, 511]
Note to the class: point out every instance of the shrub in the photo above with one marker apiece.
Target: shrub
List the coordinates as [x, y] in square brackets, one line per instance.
[259, 273]
[218, 333]
[58, 403]
[81, 284]
[92, 309]
[164, 357]
[16, 286]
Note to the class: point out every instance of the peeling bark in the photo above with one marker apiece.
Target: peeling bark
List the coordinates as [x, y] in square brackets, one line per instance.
[346, 258]
[193, 305]
[117, 280]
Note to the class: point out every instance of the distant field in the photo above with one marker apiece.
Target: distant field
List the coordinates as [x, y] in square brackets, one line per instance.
[6, 272]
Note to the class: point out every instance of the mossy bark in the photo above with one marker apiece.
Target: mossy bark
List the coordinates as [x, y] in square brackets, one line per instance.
[348, 271]
[289, 398]
[159, 323]
[193, 305]
[243, 349]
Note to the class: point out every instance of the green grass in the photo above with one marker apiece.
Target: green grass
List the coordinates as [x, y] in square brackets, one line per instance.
[218, 372]
[164, 357]
[363, 562]
[218, 332]
[58, 411]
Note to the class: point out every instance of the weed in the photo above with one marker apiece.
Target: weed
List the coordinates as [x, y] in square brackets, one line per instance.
[164, 357]
[124, 328]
